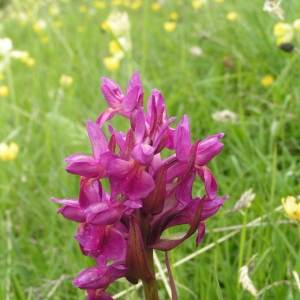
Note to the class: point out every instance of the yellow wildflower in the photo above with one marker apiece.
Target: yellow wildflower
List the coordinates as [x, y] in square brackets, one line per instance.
[58, 24]
[267, 80]
[219, 1]
[4, 91]
[114, 47]
[198, 3]
[8, 152]
[53, 10]
[284, 32]
[155, 6]
[174, 15]
[232, 16]
[169, 26]
[105, 25]
[136, 4]
[30, 61]
[111, 63]
[65, 80]
[291, 207]
[80, 28]
[282, 40]
[99, 4]
[116, 2]
[82, 8]
[280, 29]
[296, 24]
[44, 40]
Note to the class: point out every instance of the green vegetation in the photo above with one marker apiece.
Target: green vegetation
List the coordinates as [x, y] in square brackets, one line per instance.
[39, 256]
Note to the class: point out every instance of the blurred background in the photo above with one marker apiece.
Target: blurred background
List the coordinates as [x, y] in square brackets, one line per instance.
[230, 65]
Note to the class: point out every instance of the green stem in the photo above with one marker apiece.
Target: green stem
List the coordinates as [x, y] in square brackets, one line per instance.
[150, 285]
[150, 289]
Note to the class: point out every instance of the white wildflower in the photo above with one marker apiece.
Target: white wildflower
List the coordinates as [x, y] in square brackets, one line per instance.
[118, 23]
[246, 281]
[17, 54]
[273, 6]
[196, 51]
[5, 46]
[245, 201]
[225, 116]
[39, 25]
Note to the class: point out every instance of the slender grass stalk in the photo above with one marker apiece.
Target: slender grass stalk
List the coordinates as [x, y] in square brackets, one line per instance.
[12, 90]
[218, 288]
[8, 259]
[242, 247]
[145, 36]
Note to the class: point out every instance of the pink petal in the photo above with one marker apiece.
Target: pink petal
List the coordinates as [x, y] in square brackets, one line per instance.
[97, 138]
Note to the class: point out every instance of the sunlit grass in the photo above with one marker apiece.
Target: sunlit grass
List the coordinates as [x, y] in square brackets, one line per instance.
[39, 256]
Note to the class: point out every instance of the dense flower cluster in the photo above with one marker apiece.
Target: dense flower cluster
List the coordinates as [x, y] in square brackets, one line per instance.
[148, 194]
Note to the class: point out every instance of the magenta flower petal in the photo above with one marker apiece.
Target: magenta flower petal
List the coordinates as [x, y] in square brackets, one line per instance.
[143, 154]
[83, 165]
[140, 126]
[119, 136]
[135, 80]
[209, 180]
[211, 206]
[98, 295]
[102, 214]
[71, 209]
[89, 192]
[130, 101]
[97, 138]
[156, 108]
[120, 168]
[182, 139]
[72, 213]
[201, 233]
[112, 93]
[138, 184]
[105, 116]
[184, 190]
[109, 240]
[136, 203]
[208, 148]
[176, 170]
[92, 278]
[163, 132]
[98, 277]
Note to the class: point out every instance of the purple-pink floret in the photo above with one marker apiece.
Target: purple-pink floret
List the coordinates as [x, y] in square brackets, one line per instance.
[141, 183]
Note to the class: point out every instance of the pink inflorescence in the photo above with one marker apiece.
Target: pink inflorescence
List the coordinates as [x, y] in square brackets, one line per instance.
[143, 186]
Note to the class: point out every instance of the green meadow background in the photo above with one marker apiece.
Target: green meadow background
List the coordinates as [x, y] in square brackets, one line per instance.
[39, 257]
